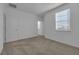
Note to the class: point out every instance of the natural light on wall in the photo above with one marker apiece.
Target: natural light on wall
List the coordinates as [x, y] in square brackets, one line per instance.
[63, 20]
[39, 27]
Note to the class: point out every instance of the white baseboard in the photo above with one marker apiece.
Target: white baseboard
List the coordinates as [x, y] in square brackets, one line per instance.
[61, 42]
[12, 40]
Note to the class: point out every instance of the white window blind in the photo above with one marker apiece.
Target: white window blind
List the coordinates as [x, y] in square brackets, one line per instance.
[63, 20]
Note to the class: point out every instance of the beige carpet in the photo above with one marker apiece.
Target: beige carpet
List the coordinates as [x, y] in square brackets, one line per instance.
[38, 46]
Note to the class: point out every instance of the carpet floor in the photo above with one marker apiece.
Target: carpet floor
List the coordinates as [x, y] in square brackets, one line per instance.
[38, 46]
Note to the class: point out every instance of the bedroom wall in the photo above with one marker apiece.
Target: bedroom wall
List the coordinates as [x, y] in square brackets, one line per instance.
[70, 38]
[20, 25]
[1, 26]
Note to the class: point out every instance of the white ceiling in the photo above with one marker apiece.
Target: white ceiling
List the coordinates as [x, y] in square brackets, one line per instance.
[36, 8]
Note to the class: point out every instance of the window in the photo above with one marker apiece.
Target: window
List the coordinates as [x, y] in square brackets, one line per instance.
[63, 20]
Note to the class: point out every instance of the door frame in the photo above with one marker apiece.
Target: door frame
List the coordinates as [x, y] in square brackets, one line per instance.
[4, 28]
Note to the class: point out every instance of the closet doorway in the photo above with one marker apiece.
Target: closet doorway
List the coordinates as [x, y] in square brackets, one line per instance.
[40, 27]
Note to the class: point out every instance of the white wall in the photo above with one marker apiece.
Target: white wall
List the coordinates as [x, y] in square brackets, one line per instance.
[71, 38]
[1, 27]
[20, 25]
